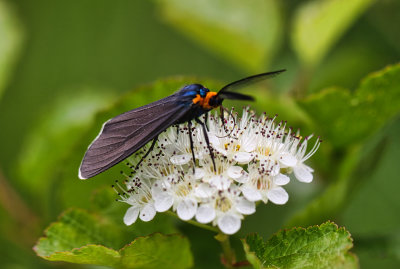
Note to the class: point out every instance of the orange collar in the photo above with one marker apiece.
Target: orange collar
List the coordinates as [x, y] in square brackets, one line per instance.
[204, 101]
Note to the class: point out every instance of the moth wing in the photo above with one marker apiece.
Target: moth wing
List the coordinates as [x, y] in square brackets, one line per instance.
[125, 134]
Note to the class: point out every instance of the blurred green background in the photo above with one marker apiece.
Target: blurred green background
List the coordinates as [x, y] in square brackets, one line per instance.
[66, 66]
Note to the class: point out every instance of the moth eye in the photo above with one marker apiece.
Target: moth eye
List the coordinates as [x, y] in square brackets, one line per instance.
[203, 92]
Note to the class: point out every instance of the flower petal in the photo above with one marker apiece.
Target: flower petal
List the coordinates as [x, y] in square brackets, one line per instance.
[288, 160]
[308, 168]
[229, 224]
[220, 182]
[276, 168]
[303, 174]
[157, 188]
[131, 215]
[199, 173]
[214, 140]
[246, 207]
[281, 179]
[168, 148]
[234, 171]
[248, 143]
[148, 212]
[278, 196]
[163, 202]
[216, 143]
[221, 150]
[199, 154]
[204, 190]
[205, 214]
[244, 178]
[186, 209]
[181, 159]
[251, 194]
[243, 157]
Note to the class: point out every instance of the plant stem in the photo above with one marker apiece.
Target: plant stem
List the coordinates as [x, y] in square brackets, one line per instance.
[195, 223]
[20, 214]
[229, 256]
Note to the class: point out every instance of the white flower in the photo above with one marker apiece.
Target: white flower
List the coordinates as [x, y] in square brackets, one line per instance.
[224, 175]
[271, 139]
[204, 191]
[265, 184]
[178, 193]
[138, 195]
[225, 209]
[237, 142]
[296, 156]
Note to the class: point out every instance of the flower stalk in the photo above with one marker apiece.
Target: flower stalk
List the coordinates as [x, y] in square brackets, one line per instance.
[228, 258]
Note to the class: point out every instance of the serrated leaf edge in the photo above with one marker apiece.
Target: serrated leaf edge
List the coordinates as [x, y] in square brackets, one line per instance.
[52, 224]
[329, 222]
[379, 73]
[117, 251]
[91, 214]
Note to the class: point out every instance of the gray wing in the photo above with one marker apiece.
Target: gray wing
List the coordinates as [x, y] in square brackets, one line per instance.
[125, 134]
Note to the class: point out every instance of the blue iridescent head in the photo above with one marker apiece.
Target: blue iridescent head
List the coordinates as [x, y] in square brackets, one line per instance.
[203, 92]
[195, 89]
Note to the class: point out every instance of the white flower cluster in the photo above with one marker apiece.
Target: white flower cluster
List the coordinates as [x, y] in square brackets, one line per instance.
[253, 158]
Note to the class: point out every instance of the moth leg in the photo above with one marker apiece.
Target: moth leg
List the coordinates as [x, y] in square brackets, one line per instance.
[207, 141]
[177, 132]
[221, 114]
[153, 143]
[191, 145]
[206, 120]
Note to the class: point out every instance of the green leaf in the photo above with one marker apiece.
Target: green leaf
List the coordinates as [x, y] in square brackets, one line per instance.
[324, 246]
[79, 237]
[245, 34]
[382, 183]
[10, 42]
[346, 118]
[76, 228]
[377, 233]
[157, 251]
[319, 24]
